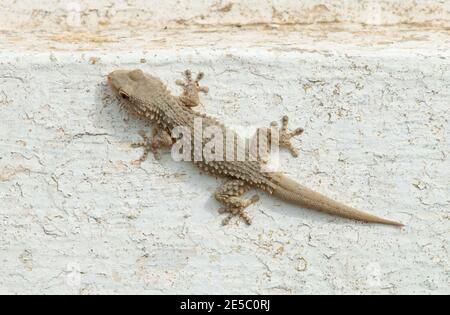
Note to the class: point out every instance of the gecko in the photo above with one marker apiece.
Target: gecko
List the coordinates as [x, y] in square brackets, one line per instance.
[148, 98]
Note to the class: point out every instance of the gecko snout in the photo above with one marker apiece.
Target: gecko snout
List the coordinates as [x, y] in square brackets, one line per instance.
[110, 77]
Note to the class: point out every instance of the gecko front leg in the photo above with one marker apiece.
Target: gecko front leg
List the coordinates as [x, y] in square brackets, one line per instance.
[285, 135]
[230, 195]
[160, 139]
[191, 89]
[284, 139]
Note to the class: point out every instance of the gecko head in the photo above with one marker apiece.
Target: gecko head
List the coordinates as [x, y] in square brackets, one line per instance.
[125, 83]
[136, 90]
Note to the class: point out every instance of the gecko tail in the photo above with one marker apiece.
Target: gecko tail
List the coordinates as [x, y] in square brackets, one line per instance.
[291, 191]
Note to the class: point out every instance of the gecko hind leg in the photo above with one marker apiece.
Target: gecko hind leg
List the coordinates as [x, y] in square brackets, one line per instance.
[230, 195]
[286, 135]
[159, 139]
[191, 89]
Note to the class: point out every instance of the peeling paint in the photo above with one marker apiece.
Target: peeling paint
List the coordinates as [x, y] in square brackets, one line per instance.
[78, 216]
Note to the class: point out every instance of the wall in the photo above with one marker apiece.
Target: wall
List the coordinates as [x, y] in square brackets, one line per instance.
[78, 216]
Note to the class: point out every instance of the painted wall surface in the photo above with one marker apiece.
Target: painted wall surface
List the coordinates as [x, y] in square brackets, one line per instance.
[77, 215]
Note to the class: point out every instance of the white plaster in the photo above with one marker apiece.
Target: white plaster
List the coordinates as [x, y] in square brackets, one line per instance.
[76, 216]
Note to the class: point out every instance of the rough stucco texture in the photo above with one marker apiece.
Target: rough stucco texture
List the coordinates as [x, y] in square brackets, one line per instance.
[78, 216]
[103, 14]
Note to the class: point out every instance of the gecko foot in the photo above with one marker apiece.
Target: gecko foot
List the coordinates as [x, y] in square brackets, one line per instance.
[230, 195]
[191, 89]
[239, 210]
[286, 135]
[148, 147]
[159, 139]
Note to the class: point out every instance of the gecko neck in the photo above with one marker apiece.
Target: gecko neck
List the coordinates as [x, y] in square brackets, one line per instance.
[167, 114]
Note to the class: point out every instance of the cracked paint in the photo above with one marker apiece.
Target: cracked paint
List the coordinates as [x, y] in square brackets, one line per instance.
[78, 216]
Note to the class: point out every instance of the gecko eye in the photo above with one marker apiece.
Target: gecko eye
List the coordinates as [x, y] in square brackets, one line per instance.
[124, 95]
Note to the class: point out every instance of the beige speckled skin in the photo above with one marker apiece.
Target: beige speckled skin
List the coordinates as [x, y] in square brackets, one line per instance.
[148, 98]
